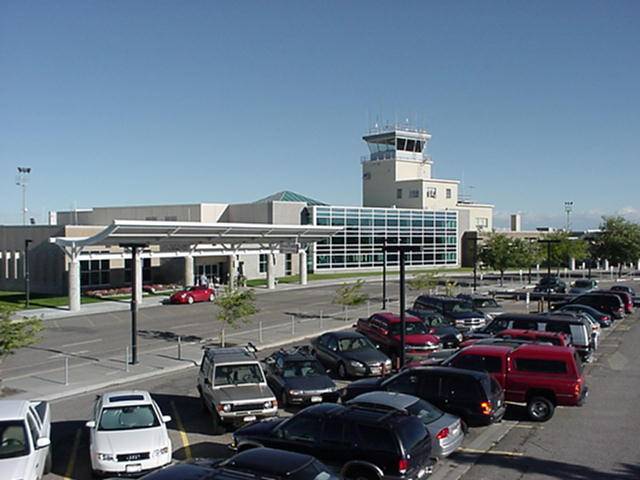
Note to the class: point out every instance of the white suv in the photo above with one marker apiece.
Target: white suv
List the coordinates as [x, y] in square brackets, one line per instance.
[25, 445]
[128, 434]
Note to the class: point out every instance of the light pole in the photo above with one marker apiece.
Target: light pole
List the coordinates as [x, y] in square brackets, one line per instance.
[135, 252]
[475, 262]
[27, 278]
[531, 240]
[22, 179]
[384, 273]
[548, 241]
[568, 208]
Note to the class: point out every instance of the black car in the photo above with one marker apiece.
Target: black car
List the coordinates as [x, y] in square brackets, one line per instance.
[459, 312]
[350, 354]
[624, 288]
[550, 284]
[602, 318]
[605, 302]
[474, 396]
[449, 335]
[363, 442]
[296, 378]
[256, 464]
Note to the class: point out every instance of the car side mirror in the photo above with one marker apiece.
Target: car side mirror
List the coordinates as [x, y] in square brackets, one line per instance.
[90, 424]
[166, 418]
[43, 442]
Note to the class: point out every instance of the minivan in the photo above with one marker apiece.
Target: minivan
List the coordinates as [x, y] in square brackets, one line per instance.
[605, 302]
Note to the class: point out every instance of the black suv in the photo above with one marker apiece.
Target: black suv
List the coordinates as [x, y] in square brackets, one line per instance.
[605, 302]
[473, 396]
[459, 312]
[550, 284]
[365, 443]
[296, 377]
[256, 464]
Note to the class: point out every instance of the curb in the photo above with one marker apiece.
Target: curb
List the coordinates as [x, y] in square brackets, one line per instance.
[175, 368]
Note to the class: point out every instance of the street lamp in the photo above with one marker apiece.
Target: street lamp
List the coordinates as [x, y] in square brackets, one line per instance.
[135, 251]
[531, 240]
[22, 179]
[548, 241]
[402, 249]
[384, 273]
[568, 208]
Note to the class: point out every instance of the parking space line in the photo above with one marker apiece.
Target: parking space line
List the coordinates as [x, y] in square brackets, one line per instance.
[96, 340]
[492, 452]
[68, 475]
[183, 434]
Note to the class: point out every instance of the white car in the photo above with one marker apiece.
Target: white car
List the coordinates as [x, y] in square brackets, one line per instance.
[25, 445]
[128, 434]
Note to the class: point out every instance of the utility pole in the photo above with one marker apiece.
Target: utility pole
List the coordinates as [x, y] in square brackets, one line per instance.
[475, 262]
[27, 277]
[135, 252]
[548, 241]
[384, 273]
[22, 179]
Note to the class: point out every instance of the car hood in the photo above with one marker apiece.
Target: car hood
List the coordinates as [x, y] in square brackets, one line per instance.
[316, 382]
[130, 441]
[243, 393]
[368, 357]
[418, 339]
[14, 468]
[463, 315]
[262, 428]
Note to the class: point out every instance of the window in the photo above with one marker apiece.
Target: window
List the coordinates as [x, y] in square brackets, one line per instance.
[400, 143]
[96, 272]
[146, 269]
[366, 176]
[399, 193]
[459, 388]
[171, 218]
[482, 222]
[541, 366]
[13, 439]
[404, 383]
[262, 267]
[287, 264]
[305, 429]
[376, 439]
[410, 145]
[479, 363]
[431, 192]
[525, 325]
[414, 193]
[448, 193]
[238, 374]
[151, 218]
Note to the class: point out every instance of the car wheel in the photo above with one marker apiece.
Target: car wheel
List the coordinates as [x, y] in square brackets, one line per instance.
[211, 297]
[360, 473]
[189, 300]
[342, 371]
[540, 409]
[48, 462]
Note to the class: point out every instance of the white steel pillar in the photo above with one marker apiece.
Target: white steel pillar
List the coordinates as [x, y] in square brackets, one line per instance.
[606, 264]
[74, 283]
[572, 264]
[271, 271]
[303, 266]
[233, 271]
[188, 270]
[137, 288]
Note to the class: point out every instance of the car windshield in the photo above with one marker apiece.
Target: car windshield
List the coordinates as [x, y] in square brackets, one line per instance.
[238, 374]
[128, 418]
[460, 307]
[485, 303]
[307, 368]
[425, 411]
[355, 343]
[411, 328]
[13, 438]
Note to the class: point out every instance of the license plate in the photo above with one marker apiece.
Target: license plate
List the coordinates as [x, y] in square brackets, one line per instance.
[316, 399]
[249, 418]
[133, 468]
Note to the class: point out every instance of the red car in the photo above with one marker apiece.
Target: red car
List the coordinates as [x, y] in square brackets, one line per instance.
[542, 376]
[383, 329]
[194, 294]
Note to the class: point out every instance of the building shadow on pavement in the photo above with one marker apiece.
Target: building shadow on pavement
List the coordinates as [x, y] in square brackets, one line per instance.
[527, 465]
[208, 450]
[168, 336]
[70, 447]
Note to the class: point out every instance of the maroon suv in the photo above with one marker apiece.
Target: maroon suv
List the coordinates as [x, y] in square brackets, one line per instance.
[383, 329]
[542, 376]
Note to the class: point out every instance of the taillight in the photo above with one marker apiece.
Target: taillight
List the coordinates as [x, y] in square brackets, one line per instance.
[605, 318]
[577, 389]
[403, 465]
[485, 408]
[442, 434]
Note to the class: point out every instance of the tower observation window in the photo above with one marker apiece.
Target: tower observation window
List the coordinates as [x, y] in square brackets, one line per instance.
[400, 143]
[411, 145]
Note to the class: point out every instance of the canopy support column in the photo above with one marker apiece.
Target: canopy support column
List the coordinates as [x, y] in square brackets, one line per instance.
[233, 271]
[188, 271]
[303, 266]
[74, 284]
[271, 270]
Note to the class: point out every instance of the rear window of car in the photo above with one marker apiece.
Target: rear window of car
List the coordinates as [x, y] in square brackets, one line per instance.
[411, 433]
[487, 363]
[541, 366]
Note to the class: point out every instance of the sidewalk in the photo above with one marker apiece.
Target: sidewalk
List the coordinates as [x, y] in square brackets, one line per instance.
[71, 376]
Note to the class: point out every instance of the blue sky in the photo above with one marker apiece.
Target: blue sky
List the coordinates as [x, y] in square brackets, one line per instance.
[141, 102]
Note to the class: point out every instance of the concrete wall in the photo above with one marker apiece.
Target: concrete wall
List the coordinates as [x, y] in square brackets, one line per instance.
[106, 215]
[378, 183]
[249, 213]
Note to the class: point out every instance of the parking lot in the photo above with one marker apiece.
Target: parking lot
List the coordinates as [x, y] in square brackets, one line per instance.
[594, 441]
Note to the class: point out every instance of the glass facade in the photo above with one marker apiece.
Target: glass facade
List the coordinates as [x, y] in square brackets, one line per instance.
[360, 245]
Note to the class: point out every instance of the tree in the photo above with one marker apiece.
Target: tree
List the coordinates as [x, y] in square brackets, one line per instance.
[350, 295]
[618, 242]
[526, 253]
[234, 305]
[565, 249]
[17, 334]
[498, 252]
[426, 281]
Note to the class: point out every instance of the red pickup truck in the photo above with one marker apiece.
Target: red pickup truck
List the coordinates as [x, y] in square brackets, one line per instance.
[383, 329]
[554, 338]
[542, 376]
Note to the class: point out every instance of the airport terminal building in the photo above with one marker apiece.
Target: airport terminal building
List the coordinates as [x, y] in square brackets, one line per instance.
[401, 204]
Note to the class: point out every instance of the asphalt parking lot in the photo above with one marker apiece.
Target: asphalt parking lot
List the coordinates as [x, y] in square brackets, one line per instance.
[595, 441]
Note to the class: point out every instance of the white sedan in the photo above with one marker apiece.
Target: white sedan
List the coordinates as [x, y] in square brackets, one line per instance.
[128, 434]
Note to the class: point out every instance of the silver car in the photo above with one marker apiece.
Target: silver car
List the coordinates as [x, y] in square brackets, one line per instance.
[445, 429]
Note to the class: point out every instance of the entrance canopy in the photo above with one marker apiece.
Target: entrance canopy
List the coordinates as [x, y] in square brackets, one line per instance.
[189, 239]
